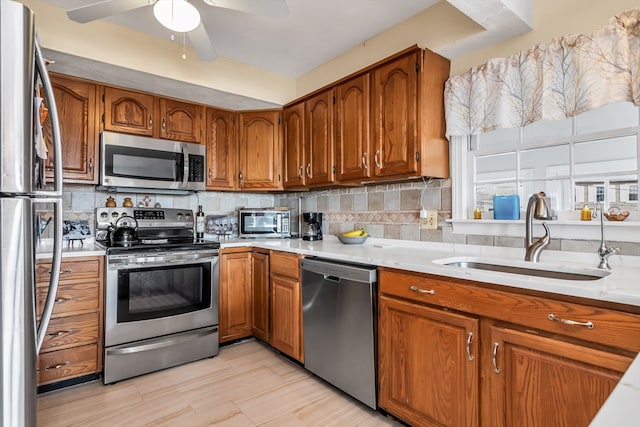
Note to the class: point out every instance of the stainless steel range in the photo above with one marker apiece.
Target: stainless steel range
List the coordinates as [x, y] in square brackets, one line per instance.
[161, 291]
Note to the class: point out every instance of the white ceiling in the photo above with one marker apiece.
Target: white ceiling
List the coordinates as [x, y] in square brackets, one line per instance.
[316, 31]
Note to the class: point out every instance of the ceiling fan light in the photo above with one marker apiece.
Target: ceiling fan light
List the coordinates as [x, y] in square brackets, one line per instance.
[176, 15]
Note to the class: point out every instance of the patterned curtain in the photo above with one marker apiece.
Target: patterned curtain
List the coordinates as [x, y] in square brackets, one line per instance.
[570, 75]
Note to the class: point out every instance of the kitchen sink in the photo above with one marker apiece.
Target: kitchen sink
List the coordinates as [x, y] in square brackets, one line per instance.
[526, 268]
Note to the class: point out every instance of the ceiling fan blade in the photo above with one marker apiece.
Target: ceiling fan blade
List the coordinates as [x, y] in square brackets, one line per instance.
[202, 43]
[105, 8]
[257, 7]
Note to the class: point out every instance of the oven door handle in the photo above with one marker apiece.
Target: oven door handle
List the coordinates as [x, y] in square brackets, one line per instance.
[161, 343]
[132, 263]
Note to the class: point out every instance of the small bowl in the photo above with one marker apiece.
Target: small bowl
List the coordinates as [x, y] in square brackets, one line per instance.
[356, 240]
[616, 217]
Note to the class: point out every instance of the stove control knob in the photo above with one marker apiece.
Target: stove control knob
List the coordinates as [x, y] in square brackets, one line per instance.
[114, 214]
[187, 216]
[103, 215]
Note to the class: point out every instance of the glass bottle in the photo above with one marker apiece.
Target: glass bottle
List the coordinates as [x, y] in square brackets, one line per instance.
[200, 223]
[585, 214]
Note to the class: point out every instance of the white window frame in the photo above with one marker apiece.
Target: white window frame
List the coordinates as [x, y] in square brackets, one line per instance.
[565, 228]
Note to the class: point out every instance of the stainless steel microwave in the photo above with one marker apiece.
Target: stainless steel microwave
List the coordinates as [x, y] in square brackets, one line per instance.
[131, 161]
[264, 222]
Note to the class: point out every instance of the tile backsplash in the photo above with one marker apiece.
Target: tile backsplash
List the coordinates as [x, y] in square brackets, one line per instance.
[384, 210]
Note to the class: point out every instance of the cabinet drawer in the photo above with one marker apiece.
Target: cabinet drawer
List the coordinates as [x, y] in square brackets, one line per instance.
[71, 297]
[69, 363]
[71, 330]
[284, 264]
[610, 327]
[70, 270]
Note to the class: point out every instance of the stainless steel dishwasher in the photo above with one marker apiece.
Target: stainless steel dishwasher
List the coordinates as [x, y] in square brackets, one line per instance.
[339, 322]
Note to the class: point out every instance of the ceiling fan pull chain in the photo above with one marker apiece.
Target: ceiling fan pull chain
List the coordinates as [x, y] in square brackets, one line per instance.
[184, 44]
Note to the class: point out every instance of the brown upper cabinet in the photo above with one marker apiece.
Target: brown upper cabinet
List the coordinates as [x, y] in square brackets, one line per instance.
[140, 113]
[353, 154]
[222, 156]
[77, 110]
[181, 121]
[407, 116]
[308, 136]
[259, 161]
[384, 122]
[294, 166]
[318, 145]
[129, 112]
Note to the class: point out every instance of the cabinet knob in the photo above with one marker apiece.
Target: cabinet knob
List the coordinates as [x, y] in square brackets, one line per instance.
[494, 358]
[150, 121]
[587, 324]
[164, 124]
[90, 164]
[301, 171]
[309, 170]
[364, 161]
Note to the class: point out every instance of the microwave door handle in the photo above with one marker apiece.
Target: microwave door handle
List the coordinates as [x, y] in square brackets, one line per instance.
[185, 164]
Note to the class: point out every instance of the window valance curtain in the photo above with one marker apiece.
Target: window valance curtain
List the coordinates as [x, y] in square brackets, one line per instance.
[570, 75]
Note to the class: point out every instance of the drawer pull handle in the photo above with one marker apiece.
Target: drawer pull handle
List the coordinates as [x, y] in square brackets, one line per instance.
[58, 333]
[469, 340]
[588, 325]
[422, 291]
[59, 366]
[64, 299]
[67, 271]
[494, 358]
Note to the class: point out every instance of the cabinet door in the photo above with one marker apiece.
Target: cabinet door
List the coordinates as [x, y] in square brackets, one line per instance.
[428, 364]
[221, 149]
[540, 381]
[77, 111]
[235, 295]
[353, 153]
[260, 312]
[394, 116]
[128, 111]
[319, 169]
[181, 121]
[260, 155]
[294, 166]
[286, 316]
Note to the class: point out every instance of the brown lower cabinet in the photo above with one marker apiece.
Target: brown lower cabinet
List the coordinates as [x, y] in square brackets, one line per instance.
[234, 306]
[260, 295]
[285, 310]
[73, 342]
[461, 353]
[260, 312]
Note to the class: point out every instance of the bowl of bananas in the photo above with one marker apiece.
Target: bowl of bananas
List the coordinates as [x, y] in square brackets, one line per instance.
[354, 237]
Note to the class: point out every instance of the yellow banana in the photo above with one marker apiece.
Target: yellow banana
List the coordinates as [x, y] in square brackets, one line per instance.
[355, 233]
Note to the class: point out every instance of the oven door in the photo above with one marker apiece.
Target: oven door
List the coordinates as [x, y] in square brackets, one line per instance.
[152, 295]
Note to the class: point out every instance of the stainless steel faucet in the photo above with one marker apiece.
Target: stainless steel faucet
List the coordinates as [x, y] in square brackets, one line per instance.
[603, 251]
[539, 207]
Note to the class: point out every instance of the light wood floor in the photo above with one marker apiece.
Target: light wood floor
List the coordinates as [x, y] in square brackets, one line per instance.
[247, 384]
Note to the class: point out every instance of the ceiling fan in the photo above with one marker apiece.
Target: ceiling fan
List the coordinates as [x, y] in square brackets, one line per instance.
[179, 16]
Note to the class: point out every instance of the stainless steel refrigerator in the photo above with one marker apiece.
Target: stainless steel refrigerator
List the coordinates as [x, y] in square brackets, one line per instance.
[22, 194]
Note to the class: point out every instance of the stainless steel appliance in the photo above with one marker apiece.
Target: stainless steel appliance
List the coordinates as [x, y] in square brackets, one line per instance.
[161, 292]
[338, 315]
[22, 73]
[264, 222]
[131, 161]
[312, 229]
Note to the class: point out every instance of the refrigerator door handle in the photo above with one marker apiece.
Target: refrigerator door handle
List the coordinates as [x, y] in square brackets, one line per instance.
[55, 271]
[55, 125]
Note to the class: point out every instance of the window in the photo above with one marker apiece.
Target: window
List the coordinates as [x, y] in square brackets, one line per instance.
[588, 159]
[573, 168]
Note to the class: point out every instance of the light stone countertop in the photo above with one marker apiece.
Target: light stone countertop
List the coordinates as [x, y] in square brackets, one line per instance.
[621, 286]
[44, 249]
